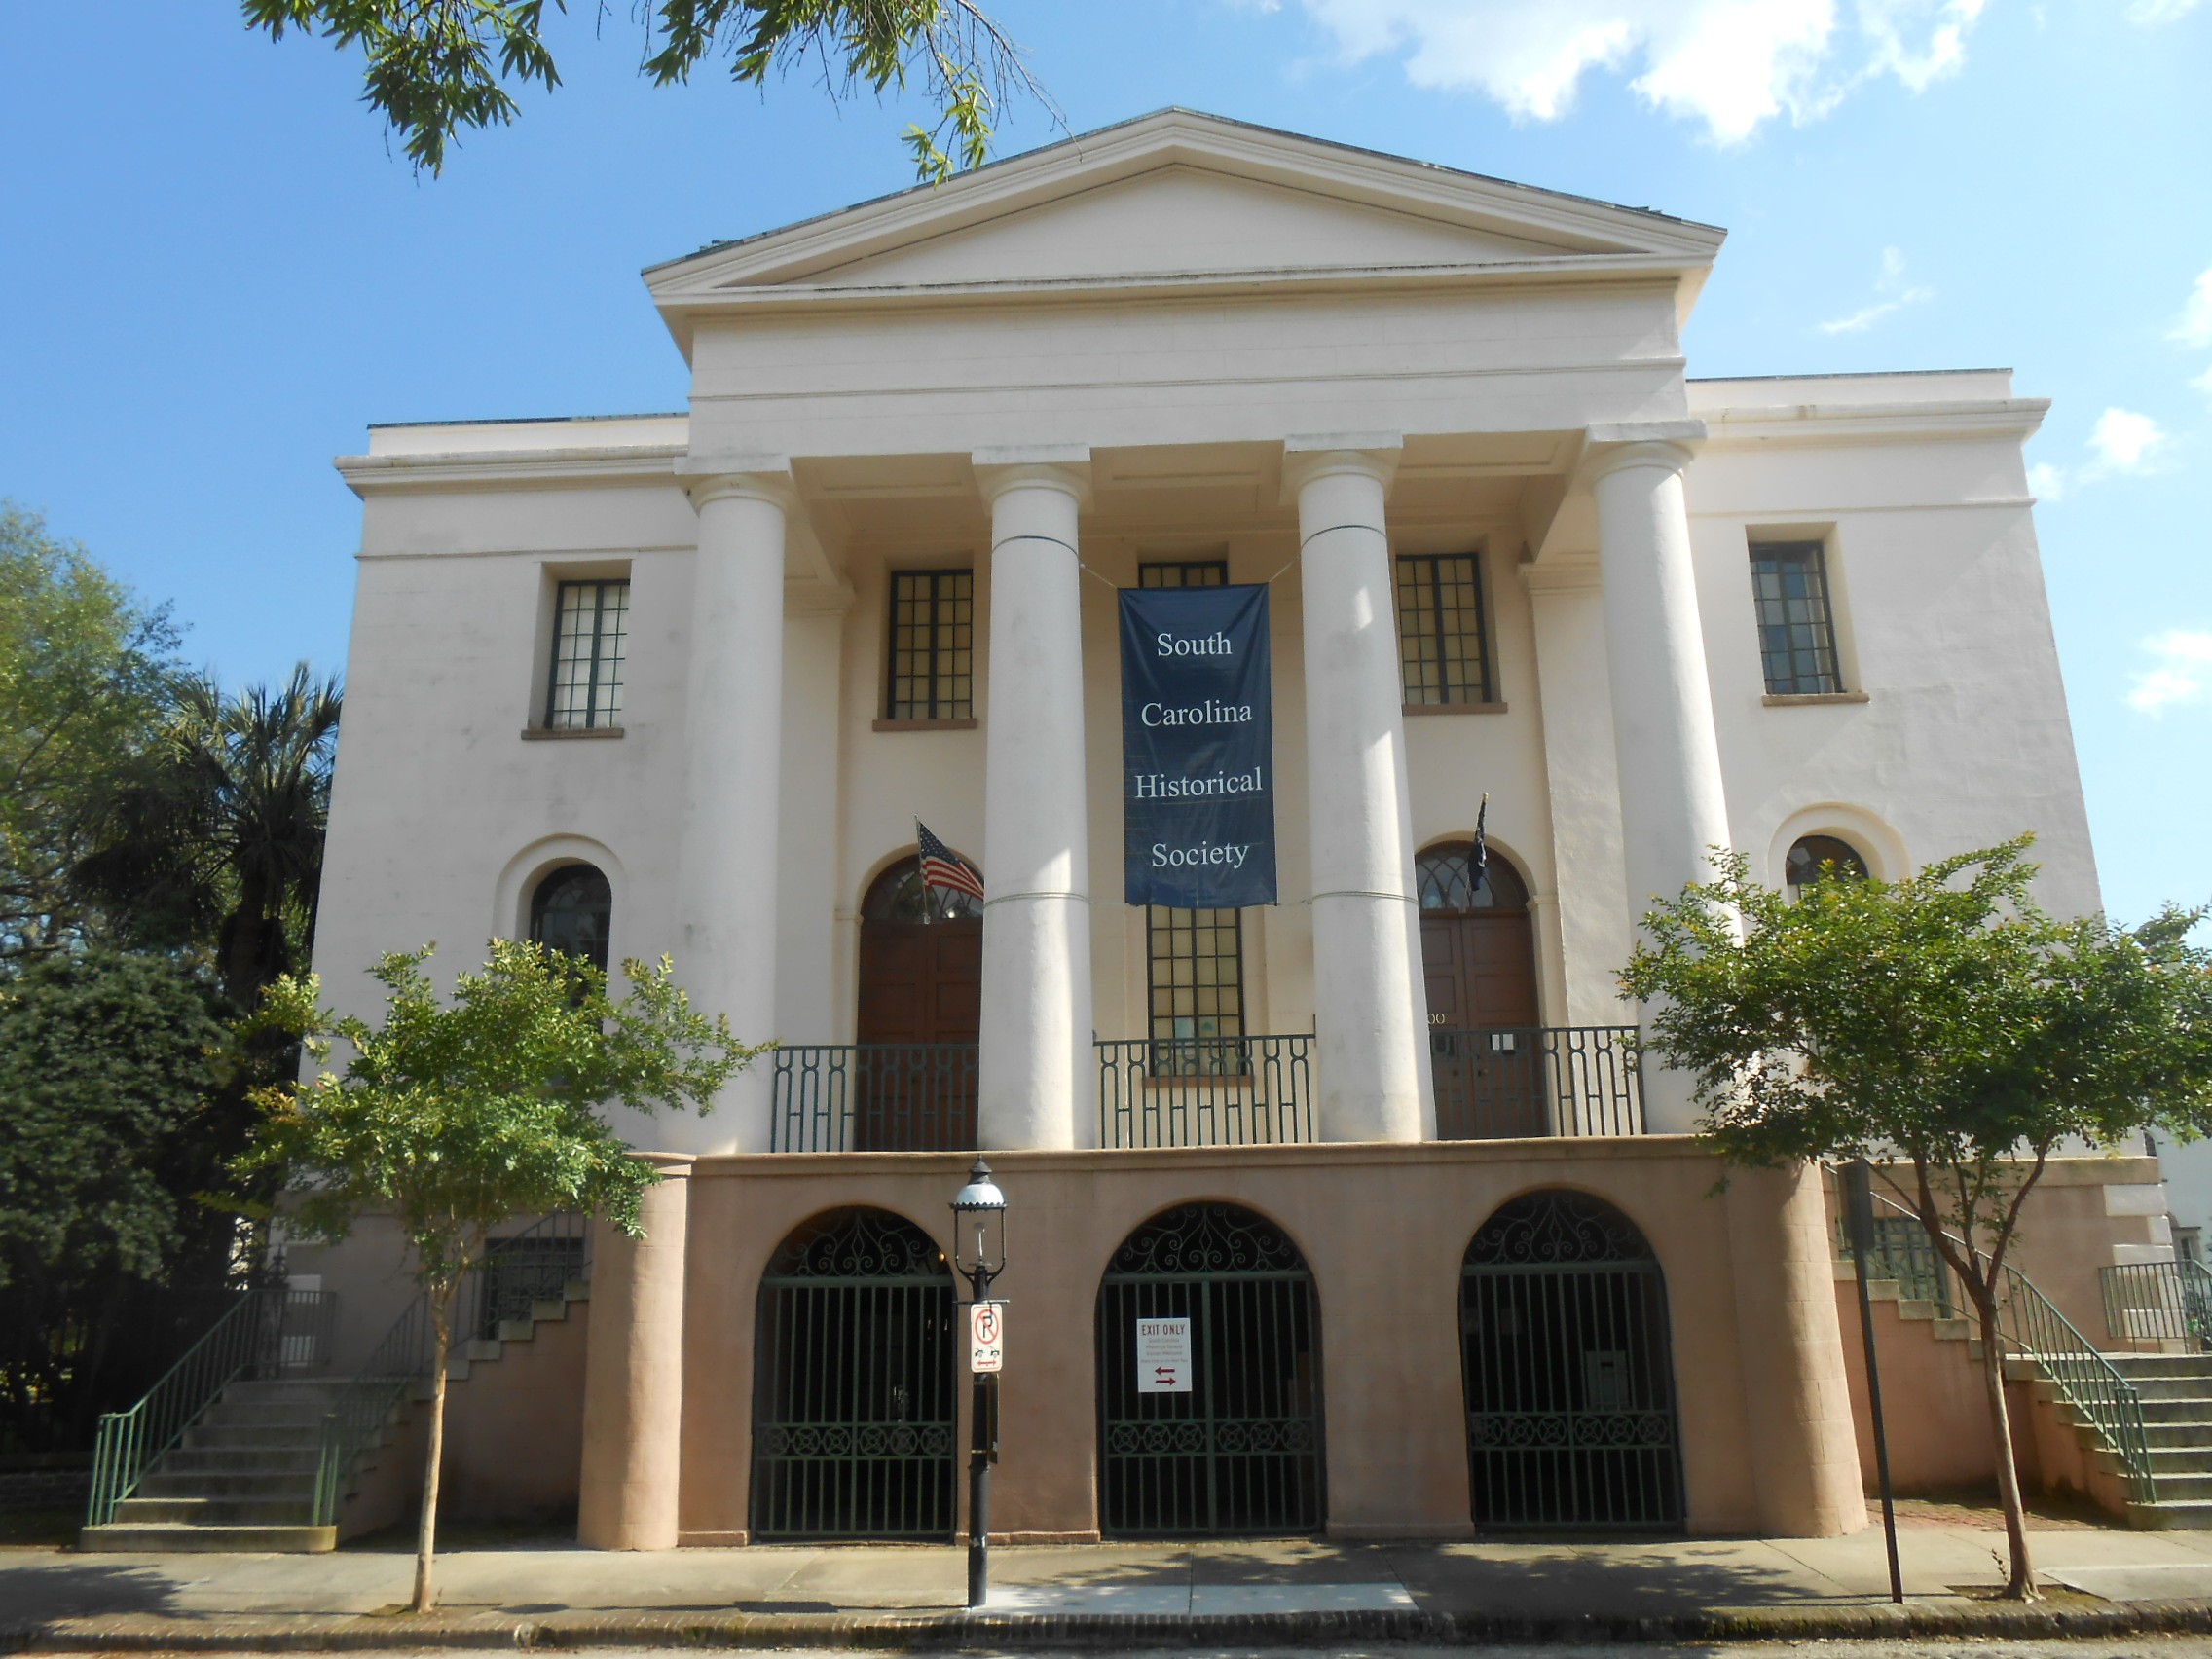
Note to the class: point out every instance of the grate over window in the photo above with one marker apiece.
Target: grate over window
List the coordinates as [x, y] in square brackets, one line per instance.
[572, 911]
[1790, 583]
[591, 623]
[1442, 641]
[932, 645]
[1183, 574]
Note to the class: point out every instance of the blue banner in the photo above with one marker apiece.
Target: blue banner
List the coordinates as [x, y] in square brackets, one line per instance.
[1197, 747]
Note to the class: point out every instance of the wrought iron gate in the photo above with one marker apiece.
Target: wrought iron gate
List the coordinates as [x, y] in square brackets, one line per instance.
[853, 1387]
[1242, 1452]
[1569, 1370]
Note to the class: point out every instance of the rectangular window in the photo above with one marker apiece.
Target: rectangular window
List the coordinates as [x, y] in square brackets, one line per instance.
[1790, 583]
[1196, 969]
[932, 645]
[1184, 572]
[591, 622]
[1443, 647]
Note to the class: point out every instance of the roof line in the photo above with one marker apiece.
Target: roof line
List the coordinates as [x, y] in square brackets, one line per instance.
[1842, 374]
[531, 419]
[1077, 138]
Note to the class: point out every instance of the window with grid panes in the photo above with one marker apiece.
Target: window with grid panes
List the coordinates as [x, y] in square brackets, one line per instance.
[932, 645]
[591, 622]
[1183, 574]
[1790, 584]
[1443, 647]
[1197, 971]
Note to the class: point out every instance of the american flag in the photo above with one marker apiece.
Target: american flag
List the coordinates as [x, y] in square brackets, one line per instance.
[1478, 866]
[943, 867]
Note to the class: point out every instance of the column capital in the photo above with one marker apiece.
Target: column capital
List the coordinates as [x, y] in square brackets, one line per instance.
[1613, 445]
[1310, 456]
[1066, 467]
[757, 477]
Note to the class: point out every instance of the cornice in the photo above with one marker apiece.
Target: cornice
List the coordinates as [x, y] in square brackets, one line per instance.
[2016, 419]
[512, 470]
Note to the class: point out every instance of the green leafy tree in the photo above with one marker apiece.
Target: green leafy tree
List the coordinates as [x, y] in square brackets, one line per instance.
[438, 68]
[1944, 1027]
[454, 1116]
[213, 832]
[108, 1067]
[85, 672]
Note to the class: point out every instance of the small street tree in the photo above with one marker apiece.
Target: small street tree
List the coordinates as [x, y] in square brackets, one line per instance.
[461, 1113]
[1944, 1027]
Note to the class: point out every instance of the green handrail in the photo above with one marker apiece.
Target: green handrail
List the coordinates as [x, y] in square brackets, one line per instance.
[2030, 1325]
[250, 1336]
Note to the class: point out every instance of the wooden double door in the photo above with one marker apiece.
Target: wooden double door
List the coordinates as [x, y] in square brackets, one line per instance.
[1486, 1051]
[921, 1002]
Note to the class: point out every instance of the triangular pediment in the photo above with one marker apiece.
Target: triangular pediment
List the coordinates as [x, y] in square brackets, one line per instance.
[1180, 195]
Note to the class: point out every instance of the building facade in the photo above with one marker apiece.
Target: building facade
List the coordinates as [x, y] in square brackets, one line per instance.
[688, 684]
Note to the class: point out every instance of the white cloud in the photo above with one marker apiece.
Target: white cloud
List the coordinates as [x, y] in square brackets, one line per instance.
[1892, 296]
[2180, 674]
[2124, 441]
[2154, 11]
[2193, 327]
[2046, 482]
[1732, 65]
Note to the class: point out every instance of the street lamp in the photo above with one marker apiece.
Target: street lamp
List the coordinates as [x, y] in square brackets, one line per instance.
[979, 1253]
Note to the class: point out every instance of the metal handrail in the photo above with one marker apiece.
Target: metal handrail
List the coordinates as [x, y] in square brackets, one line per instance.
[873, 1097]
[1503, 1083]
[1205, 1091]
[2030, 1325]
[260, 1333]
[2158, 1302]
[364, 1405]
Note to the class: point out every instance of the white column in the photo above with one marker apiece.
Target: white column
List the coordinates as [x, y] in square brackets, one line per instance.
[1371, 1005]
[1666, 750]
[1035, 1085]
[729, 867]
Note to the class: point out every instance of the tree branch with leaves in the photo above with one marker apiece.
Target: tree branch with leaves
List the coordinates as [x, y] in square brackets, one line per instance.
[1944, 1027]
[436, 68]
[456, 1114]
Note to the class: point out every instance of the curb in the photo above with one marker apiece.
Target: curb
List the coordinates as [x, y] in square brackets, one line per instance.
[1081, 1633]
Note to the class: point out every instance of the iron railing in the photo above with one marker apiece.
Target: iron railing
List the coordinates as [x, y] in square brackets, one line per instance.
[534, 1265]
[265, 1334]
[2030, 1326]
[1508, 1082]
[1205, 1091]
[2162, 1303]
[875, 1098]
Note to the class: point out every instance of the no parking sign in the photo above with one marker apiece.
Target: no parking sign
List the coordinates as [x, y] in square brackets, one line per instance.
[986, 1338]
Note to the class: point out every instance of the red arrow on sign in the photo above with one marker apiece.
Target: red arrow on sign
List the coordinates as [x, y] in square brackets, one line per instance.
[1163, 1373]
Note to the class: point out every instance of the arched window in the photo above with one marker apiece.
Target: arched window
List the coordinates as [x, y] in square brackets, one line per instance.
[572, 911]
[1445, 878]
[899, 895]
[1816, 857]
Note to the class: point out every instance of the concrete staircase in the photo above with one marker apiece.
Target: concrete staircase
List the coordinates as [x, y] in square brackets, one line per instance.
[2177, 1422]
[243, 1477]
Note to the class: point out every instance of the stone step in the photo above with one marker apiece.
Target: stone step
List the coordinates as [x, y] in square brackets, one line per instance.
[205, 1436]
[291, 1511]
[175, 1539]
[242, 1461]
[292, 1391]
[2167, 1364]
[2180, 1460]
[2182, 1489]
[201, 1483]
[2156, 1408]
[2156, 1388]
[2177, 1432]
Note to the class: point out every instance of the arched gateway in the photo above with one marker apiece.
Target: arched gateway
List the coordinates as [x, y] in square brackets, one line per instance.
[1237, 1447]
[1569, 1370]
[853, 1383]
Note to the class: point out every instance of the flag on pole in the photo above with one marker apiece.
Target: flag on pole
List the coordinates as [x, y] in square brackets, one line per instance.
[1478, 866]
[943, 867]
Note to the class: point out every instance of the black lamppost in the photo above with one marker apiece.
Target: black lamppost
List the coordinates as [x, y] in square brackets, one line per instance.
[979, 1252]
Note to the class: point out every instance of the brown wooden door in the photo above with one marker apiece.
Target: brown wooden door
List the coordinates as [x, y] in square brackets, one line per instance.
[921, 987]
[1489, 1065]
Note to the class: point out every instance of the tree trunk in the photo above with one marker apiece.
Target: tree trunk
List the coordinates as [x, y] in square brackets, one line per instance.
[427, 1533]
[2021, 1584]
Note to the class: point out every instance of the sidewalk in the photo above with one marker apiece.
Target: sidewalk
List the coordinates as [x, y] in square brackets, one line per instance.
[1280, 1591]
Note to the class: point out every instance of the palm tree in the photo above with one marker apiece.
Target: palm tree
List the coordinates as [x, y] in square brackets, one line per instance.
[217, 837]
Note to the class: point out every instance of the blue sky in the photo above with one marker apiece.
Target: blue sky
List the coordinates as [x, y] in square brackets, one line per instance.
[218, 272]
